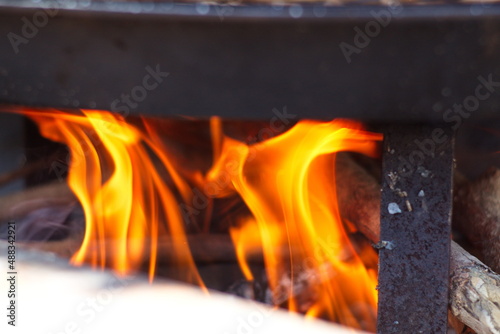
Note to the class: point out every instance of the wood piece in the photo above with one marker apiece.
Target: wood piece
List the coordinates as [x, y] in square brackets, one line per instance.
[482, 291]
[25, 170]
[62, 248]
[205, 248]
[458, 326]
[477, 214]
[358, 195]
[21, 203]
[475, 293]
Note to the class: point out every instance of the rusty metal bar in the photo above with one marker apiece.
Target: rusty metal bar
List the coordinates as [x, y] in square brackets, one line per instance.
[415, 229]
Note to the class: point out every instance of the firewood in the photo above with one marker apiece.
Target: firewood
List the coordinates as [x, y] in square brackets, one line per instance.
[21, 203]
[205, 248]
[474, 289]
[26, 170]
[475, 292]
[358, 196]
[477, 214]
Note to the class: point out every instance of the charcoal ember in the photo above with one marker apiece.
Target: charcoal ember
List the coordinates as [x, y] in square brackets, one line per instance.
[257, 290]
[242, 288]
[302, 285]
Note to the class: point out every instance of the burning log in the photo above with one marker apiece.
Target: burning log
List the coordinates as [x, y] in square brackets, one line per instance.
[358, 195]
[205, 248]
[22, 203]
[474, 289]
[26, 170]
[477, 208]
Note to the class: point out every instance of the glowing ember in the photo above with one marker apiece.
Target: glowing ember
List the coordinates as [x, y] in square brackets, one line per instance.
[287, 182]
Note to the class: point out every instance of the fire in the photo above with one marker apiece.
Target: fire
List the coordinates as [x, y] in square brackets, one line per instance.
[123, 209]
[287, 182]
[289, 185]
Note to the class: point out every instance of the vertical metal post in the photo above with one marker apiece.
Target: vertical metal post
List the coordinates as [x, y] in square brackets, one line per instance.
[415, 229]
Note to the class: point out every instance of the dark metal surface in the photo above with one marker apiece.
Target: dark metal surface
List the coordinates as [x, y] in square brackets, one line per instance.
[243, 61]
[212, 10]
[415, 230]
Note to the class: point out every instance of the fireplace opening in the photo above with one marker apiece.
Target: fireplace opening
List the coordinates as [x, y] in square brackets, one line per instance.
[245, 207]
[282, 214]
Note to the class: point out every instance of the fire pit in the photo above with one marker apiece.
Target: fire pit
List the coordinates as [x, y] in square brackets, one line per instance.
[414, 73]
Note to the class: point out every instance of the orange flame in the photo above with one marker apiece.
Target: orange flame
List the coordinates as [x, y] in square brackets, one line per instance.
[287, 182]
[289, 186]
[123, 209]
